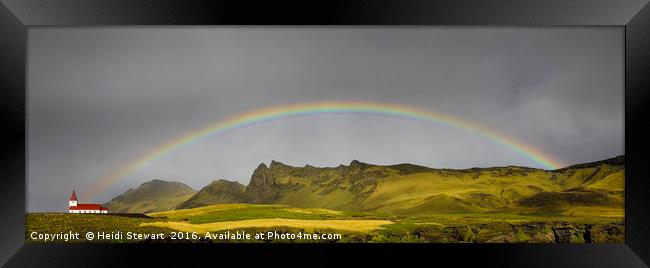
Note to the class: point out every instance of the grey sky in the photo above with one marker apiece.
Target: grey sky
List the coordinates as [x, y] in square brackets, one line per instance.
[100, 97]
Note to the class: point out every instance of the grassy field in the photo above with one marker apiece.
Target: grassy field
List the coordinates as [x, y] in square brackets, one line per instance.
[307, 225]
[596, 226]
[231, 212]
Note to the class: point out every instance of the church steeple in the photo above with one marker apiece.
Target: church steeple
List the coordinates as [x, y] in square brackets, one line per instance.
[73, 199]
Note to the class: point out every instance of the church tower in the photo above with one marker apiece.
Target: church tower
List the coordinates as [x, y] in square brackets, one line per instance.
[73, 199]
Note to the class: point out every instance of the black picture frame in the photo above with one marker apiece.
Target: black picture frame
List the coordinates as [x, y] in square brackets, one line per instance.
[17, 16]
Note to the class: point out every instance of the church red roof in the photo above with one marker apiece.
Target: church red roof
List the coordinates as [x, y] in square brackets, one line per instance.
[73, 197]
[88, 207]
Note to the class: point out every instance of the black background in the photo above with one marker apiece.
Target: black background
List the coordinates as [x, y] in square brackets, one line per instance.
[16, 16]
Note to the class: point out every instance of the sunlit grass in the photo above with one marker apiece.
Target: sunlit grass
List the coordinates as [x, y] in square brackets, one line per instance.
[310, 225]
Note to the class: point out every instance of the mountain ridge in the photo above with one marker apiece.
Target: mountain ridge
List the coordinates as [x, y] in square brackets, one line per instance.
[407, 188]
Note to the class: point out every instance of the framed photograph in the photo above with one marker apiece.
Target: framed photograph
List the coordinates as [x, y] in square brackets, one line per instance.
[498, 133]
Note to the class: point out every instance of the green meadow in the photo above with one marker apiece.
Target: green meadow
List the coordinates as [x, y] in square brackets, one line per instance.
[351, 226]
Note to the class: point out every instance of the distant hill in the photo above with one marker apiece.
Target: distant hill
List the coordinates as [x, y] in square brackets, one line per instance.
[596, 187]
[155, 195]
[217, 192]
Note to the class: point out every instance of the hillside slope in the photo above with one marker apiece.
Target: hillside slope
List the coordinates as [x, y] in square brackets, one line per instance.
[155, 195]
[217, 192]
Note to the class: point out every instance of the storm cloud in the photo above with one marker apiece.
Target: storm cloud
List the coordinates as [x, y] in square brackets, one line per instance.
[98, 98]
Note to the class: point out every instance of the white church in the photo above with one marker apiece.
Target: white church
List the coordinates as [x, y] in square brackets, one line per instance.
[74, 207]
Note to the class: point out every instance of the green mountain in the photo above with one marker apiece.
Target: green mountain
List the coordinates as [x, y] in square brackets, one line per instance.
[217, 192]
[412, 189]
[155, 195]
[587, 189]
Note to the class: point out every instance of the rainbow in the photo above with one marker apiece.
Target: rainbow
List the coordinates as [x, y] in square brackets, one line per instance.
[316, 108]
